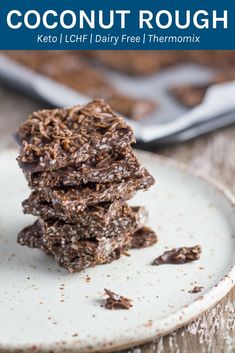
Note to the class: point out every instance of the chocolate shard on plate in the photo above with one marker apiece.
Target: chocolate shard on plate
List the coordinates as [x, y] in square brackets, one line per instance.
[105, 168]
[75, 199]
[143, 237]
[53, 139]
[179, 255]
[116, 301]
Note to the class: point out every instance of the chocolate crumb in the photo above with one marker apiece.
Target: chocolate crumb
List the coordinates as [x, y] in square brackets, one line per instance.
[179, 255]
[116, 301]
[143, 238]
[196, 289]
[88, 278]
[149, 323]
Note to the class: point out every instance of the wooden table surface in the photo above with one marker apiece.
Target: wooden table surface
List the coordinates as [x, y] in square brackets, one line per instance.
[214, 154]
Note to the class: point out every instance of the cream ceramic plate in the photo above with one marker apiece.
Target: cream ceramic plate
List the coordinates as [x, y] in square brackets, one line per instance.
[44, 308]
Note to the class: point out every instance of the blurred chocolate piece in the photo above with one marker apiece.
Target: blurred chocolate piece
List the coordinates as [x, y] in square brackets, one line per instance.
[143, 238]
[190, 95]
[193, 95]
[134, 108]
[218, 59]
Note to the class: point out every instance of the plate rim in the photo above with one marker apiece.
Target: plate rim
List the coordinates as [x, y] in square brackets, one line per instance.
[185, 315]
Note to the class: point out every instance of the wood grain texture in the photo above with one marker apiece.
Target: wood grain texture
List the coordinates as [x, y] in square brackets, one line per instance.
[214, 154]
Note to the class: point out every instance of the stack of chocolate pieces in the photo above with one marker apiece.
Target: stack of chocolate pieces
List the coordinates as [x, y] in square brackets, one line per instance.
[81, 168]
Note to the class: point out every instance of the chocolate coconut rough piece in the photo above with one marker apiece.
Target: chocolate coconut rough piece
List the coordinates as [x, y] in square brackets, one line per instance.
[53, 139]
[54, 231]
[78, 255]
[74, 199]
[107, 168]
[82, 254]
[102, 213]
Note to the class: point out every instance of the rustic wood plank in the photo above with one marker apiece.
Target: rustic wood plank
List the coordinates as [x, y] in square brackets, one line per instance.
[214, 154]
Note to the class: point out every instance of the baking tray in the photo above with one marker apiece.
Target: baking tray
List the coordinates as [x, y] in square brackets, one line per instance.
[169, 123]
